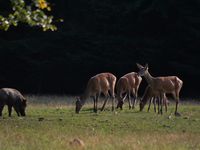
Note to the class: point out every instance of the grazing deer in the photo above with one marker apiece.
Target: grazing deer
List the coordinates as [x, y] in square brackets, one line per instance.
[162, 85]
[128, 85]
[101, 83]
[151, 95]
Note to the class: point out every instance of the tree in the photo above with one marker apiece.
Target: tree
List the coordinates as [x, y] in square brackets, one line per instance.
[33, 13]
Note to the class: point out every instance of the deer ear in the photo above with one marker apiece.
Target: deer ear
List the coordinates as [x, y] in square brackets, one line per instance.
[139, 66]
[77, 98]
[147, 66]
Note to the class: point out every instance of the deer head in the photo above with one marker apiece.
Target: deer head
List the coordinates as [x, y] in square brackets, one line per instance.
[78, 105]
[143, 70]
[121, 102]
[142, 104]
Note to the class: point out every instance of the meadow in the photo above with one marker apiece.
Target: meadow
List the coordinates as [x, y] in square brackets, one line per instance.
[51, 124]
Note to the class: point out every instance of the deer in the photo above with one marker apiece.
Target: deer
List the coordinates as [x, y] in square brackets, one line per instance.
[128, 85]
[101, 83]
[151, 95]
[167, 84]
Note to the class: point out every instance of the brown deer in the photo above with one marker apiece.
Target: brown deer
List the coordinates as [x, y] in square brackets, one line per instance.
[128, 85]
[100, 83]
[151, 95]
[162, 85]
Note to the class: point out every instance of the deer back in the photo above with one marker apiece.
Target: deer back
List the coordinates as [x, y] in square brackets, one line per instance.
[167, 84]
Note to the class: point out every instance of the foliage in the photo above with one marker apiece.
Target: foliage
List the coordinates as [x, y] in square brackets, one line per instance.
[32, 14]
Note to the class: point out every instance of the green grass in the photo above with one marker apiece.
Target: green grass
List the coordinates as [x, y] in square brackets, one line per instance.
[127, 129]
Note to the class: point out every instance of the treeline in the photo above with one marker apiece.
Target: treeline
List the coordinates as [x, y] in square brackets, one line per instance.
[98, 36]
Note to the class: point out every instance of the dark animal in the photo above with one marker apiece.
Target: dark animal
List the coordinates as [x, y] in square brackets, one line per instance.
[12, 98]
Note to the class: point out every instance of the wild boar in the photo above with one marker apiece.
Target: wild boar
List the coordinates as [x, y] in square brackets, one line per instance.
[12, 98]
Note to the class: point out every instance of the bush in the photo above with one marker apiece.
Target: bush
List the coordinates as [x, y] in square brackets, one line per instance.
[33, 14]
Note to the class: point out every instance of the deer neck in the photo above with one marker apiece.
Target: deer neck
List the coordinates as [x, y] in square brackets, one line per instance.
[84, 97]
[149, 78]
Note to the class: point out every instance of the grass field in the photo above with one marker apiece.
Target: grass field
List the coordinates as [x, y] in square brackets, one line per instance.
[51, 124]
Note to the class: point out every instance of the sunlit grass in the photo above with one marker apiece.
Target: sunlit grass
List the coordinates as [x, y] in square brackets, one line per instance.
[126, 129]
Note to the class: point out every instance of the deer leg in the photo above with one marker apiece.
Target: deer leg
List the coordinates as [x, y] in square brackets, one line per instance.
[112, 93]
[154, 103]
[176, 97]
[176, 113]
[97, 99]
[165, 102]
[149, 104]
[134, 102]
[177, 101]
[94, 99]
[113, 103]
[158, 104]
[161, 103]
[129, 101]
[107, 96]
[119, 101]
[134, 99]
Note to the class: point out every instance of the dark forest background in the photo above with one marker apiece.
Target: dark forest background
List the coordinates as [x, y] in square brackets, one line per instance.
[103, 36]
